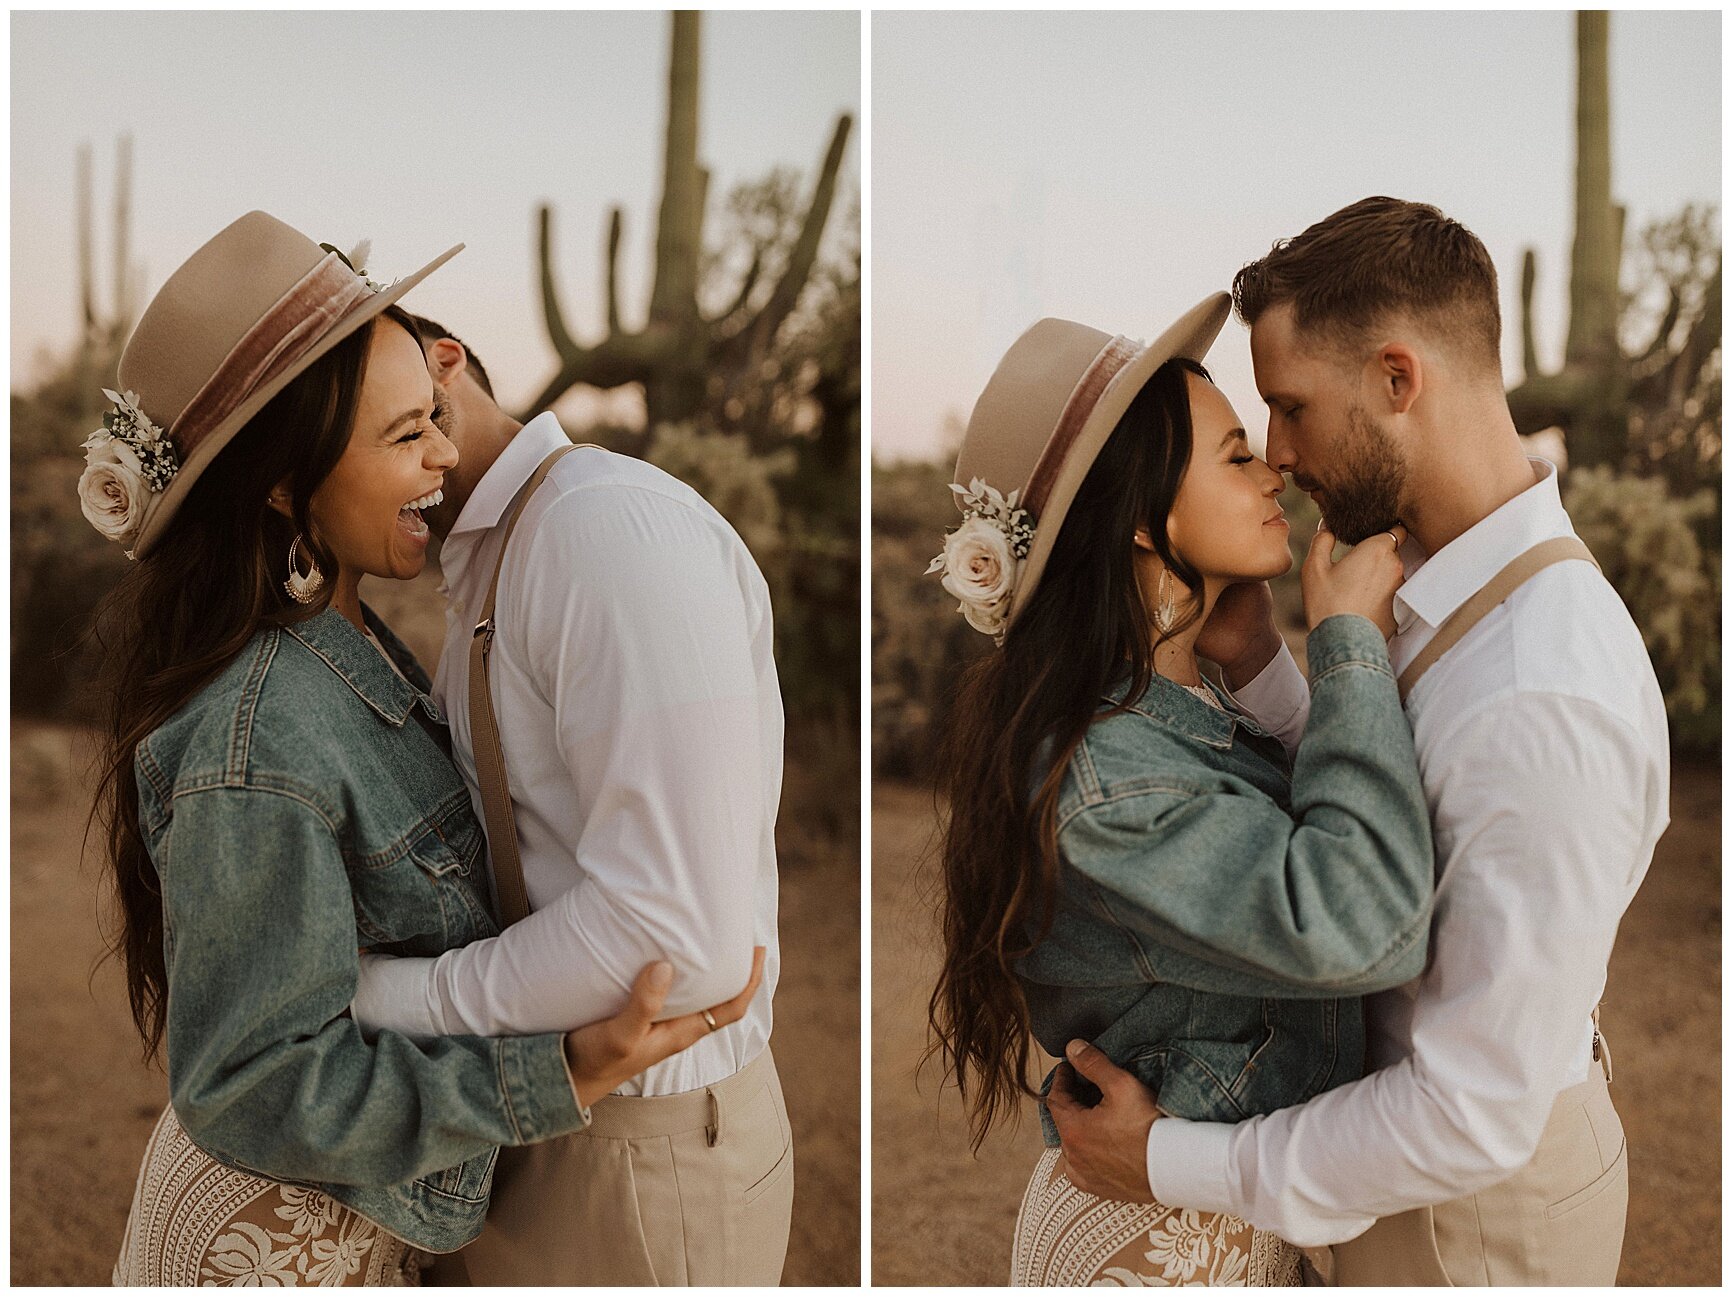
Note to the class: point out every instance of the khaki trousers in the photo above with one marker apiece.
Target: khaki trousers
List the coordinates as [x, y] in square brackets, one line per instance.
[693, 1188]
[1559, 1220]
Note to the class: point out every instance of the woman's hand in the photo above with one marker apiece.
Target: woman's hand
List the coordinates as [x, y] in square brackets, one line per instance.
[1240, 635]
[605, 1055]
[1364, 582]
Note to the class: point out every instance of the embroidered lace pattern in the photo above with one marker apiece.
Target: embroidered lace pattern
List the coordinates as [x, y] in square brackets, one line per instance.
[1068, 1238]
[196, 1223]
[1205, 694]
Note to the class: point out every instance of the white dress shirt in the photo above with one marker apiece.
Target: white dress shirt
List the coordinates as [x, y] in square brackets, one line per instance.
[642, 726]
[1543, 751]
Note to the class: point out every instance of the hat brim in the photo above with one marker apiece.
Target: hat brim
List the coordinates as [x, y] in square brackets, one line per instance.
[1190, 337]
[167, 504]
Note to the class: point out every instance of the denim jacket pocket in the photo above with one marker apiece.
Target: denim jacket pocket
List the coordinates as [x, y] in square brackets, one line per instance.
[444, 847]
[422, 884]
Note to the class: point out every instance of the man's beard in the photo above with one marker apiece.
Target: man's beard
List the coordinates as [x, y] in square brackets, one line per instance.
[1366, 496]
[444, 411]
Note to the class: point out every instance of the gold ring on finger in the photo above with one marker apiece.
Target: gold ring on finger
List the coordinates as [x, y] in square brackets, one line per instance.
[1392, 536]
[710, 1018]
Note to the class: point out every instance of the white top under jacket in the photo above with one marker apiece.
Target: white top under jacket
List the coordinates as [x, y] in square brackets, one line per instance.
[1543, 750]
[642, 726]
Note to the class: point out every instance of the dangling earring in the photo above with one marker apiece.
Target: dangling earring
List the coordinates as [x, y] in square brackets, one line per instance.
[303, 589]
[1164, 609]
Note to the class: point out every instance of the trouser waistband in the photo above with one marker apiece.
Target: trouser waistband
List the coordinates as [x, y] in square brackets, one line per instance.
[622, 1116]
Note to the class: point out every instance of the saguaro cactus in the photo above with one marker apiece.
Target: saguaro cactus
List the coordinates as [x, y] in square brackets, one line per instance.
[680, 350]
[1586, 396]
[1592, 395]
[99, 330]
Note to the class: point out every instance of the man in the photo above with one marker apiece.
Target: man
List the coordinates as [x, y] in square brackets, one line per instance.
[641, 726]
[1481, 1146]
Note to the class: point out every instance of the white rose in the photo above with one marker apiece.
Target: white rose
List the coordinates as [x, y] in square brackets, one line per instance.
[980, 570]
[112, 492]
[989, 619]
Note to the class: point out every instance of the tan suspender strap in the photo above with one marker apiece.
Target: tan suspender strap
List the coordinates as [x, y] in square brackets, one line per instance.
[484, 728]
[1500, 587]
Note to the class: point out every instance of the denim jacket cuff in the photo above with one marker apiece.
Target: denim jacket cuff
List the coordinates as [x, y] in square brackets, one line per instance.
[536, 1086]
[1346, 638]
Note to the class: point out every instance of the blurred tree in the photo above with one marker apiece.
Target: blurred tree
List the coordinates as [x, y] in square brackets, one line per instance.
[1646, 542]
[920, 643]
[777, 451]
[1674, 396]
[682, 354]
[60, 565]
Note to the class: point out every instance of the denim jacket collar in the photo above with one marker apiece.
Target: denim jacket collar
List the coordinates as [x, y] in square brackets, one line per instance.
[333, 637]
[1177, 708]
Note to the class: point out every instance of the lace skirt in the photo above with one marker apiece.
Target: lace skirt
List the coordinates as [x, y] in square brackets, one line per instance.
[1068, 1238]
[196, 1223]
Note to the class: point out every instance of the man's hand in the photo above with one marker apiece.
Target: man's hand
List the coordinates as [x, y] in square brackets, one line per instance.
[605, 1055]
[1240, 635]
[1103, 1145]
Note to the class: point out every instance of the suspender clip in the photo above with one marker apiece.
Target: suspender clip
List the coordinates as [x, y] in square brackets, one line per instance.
[484, 628]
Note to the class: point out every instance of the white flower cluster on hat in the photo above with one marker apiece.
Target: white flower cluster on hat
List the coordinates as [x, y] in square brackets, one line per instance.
[983, 558]
[128, 462]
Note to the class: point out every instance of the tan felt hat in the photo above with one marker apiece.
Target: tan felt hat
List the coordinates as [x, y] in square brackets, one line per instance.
[1050, 406]
[248, 312]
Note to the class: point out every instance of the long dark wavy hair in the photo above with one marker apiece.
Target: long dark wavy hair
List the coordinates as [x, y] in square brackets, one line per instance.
[182, 613]
[1018, 717]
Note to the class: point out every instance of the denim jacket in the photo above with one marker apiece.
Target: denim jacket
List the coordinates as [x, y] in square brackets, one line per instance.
[1218, 919]
[299, 807]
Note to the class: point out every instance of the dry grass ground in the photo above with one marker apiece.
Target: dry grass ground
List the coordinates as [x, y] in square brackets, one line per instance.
[942, 1217]
[83, 1104]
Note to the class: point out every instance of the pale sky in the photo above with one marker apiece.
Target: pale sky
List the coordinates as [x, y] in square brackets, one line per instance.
[419, 130]
[1117, 168]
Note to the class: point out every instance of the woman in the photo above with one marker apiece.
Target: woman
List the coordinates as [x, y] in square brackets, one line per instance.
[1128, 858]
[278, 792]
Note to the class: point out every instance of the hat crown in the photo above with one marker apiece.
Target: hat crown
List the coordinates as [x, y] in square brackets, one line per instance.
[1021, 405]
[208, 306]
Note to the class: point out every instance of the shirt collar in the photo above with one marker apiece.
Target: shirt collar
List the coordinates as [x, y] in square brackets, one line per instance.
[1440, 584]
[533, 442]
[333, 638]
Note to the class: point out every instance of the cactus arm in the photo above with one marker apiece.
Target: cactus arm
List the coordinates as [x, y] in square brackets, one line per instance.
[615, 229]
[1530, 354]
[564, 345]
[780, 304]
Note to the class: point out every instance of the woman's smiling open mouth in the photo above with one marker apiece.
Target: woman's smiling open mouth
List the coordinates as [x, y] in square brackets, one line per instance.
[409, 518]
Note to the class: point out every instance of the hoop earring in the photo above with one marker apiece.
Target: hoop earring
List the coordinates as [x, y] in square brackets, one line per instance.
[1165, 612]
[303, 589]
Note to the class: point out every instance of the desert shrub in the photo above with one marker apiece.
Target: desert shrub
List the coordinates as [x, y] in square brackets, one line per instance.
[1648, 545]
[61, 566]
[920, 643]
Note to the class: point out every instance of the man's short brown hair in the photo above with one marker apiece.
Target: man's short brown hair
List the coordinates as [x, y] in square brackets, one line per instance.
[1377, 258]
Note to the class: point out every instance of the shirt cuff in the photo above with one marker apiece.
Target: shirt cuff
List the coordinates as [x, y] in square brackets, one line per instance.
[1187, 1164]
[1276, 694]
[393, 994]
